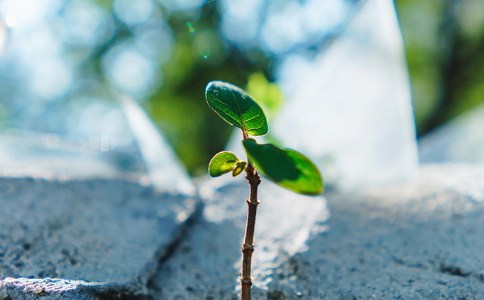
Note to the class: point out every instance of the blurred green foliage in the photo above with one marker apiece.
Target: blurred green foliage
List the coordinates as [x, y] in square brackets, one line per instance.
[444, 41]
[200, 56]
[444, 47]
[267, 94]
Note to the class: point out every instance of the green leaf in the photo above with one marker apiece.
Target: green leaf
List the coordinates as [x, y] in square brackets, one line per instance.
[288, 168]
[236, 107]
[223, 162]
[239, 167]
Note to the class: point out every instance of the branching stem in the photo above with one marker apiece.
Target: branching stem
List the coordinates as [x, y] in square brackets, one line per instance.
[248, 245]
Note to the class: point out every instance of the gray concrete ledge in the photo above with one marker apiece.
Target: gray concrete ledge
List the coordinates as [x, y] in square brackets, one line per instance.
[77, 238]
[419, 240]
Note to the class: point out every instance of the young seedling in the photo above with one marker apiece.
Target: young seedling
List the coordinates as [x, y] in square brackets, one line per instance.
[287, 168]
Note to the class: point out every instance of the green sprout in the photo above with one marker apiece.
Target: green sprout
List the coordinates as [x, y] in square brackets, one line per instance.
[286, 167]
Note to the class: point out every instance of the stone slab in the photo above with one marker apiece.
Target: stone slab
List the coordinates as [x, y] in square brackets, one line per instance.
[422, 240]
[207, 263]
[70, 239]
[419, 240]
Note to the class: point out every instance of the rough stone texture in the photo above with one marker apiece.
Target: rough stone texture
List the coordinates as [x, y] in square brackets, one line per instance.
[207, 263]
[459, 141]
[421, 240]
[85, 238]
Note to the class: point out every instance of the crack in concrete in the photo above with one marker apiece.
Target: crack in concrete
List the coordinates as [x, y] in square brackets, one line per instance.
[121, 294]
[453, 270]
[459, 272]
[443, 268]
[151, 286]
[402, 262]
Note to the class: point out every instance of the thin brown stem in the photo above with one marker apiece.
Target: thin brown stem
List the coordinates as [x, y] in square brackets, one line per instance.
[248, 245]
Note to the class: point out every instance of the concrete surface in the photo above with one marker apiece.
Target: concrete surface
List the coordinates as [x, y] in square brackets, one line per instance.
[85, 237]
[420, 240]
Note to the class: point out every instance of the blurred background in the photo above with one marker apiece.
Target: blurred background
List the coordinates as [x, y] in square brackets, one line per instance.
[65, 63]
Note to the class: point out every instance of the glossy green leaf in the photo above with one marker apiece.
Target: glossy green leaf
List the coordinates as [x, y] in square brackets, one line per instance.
[288, 168]
[223, 162]
[239, 167]
[236, 107]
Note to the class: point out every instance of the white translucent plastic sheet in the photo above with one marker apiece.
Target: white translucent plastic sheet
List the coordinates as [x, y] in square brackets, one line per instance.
[350, 108]
[125, 146]
[165, 171]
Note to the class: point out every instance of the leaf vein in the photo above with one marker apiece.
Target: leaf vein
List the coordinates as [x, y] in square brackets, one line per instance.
[253, 117]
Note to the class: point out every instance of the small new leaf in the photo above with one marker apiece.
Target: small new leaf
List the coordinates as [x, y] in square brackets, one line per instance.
[223, 162]
[239, 167]
[236, 107]
[286, 167]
